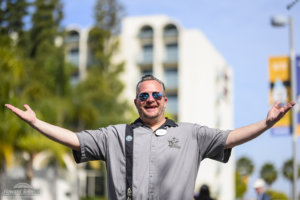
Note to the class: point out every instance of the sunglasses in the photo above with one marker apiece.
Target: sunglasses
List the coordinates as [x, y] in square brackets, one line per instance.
[144, 96]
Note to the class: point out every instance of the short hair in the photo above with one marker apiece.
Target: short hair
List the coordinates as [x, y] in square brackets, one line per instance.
[149, 77]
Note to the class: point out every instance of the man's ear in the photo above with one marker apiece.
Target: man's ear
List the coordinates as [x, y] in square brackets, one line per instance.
[134, 102]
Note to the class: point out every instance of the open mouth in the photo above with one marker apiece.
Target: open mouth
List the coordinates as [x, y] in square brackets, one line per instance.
[150, 108]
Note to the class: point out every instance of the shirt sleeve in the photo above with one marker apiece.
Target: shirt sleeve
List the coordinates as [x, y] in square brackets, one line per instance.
[93, 145]
[212, 143]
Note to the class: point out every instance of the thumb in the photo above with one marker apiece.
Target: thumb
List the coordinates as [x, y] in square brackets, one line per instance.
[27, 107]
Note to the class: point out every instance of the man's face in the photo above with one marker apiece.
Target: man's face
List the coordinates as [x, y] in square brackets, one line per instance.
[151, 108]
[259, 190]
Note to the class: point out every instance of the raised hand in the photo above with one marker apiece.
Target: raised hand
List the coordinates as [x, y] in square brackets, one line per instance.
[28, 115]
[55, 133]
[277, 112]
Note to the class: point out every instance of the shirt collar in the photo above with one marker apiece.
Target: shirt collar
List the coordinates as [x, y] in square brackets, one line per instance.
[168, 123]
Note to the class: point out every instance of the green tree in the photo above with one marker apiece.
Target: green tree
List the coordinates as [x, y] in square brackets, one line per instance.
[2, 13]
[108, 14]
[47, 55]
[47, 85]
[268, 173]
[13, 18]
[11, 84]
[244, 168]
[101, 87]
[12, 81]
[287, 170]
[45, 26]
[240, 186]
[12, 24]
[277, 195]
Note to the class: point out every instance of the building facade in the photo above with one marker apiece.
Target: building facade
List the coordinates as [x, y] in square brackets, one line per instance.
[199, 82]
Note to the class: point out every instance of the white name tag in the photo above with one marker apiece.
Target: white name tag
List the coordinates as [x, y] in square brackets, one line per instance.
[161, 132]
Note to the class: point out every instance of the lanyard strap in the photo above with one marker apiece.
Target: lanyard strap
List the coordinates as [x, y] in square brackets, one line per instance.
[129, 160]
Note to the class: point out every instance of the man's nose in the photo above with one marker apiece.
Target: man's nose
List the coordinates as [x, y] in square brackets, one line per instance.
[150, 98]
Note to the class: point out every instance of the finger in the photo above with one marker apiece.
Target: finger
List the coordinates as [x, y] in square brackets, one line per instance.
[292, 103]
[14, 109]
[288, 106]
[284, 109]
[10, 107]
[27, 107]
[276, 105]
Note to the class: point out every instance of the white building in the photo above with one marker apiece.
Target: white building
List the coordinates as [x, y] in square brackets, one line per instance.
[198, 80]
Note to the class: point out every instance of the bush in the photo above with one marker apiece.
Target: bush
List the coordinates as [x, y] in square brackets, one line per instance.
[276, 195]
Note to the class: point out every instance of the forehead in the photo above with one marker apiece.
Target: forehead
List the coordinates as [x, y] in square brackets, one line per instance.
[150, 86]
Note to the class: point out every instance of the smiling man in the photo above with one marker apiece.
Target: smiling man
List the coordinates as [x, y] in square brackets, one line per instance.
[151, 101]
[154, 157]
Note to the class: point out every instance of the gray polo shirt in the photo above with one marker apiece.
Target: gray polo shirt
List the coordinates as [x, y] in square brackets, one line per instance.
[164, 167]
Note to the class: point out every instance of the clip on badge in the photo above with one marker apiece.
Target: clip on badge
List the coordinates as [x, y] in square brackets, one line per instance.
[161, 132]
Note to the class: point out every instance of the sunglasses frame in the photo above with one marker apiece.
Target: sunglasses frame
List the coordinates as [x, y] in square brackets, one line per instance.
[156, 95]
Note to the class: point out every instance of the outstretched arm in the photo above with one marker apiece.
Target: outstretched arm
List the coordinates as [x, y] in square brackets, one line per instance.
[58, 134]
[244, 134]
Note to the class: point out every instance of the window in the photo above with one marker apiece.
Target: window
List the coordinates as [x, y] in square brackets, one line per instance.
[73, 56]
[95, 186]
[146, 71]
[73, 36]
[146, 32]
[171, 77]
[170, 30]
[172, 52]
[172, 106]
[147, 51]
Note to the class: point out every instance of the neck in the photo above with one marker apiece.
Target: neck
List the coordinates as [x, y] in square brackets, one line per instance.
[154, 123]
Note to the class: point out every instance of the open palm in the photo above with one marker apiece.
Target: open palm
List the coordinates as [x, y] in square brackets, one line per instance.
[28, 115]
[278, 111]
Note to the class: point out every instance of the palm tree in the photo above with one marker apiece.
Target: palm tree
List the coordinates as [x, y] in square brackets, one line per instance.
[244, 168]
[287, 170]
[268, 173]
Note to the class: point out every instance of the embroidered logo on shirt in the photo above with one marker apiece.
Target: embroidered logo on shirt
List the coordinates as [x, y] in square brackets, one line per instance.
[173, 143]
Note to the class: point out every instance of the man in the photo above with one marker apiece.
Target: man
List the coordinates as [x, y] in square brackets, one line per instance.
[259, 187]
[153, 158]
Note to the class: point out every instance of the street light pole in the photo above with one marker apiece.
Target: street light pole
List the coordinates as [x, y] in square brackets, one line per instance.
[281, 21]
[294, 111]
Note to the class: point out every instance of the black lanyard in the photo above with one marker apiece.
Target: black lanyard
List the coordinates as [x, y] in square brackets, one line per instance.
[129, 160]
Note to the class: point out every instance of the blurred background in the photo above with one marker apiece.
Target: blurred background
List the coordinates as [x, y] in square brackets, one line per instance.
[76, 64]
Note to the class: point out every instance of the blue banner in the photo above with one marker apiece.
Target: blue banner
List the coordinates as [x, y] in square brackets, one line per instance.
[298, 93]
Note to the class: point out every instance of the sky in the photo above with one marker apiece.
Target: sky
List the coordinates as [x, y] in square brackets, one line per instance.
[242, 33]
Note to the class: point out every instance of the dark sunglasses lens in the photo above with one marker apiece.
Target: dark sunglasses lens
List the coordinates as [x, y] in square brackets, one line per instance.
[157, 95]
[143, 96]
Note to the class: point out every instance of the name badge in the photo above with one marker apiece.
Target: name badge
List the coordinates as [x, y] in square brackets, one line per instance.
[161, 132]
